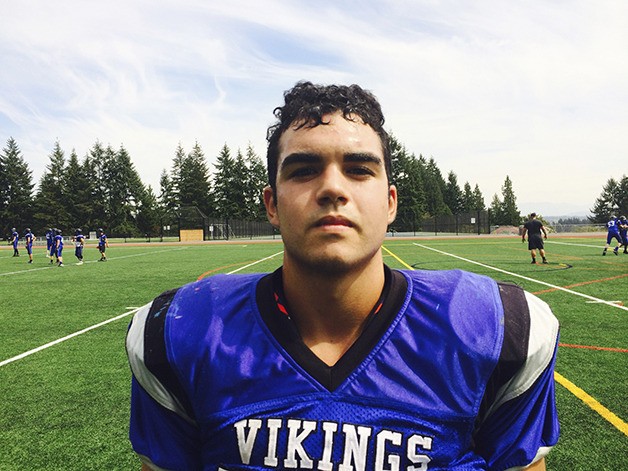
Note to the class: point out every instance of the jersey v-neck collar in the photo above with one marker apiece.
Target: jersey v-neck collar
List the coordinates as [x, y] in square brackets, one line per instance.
[275, 313]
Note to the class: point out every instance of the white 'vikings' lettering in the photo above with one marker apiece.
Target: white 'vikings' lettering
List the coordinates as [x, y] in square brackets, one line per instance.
[414, 443]
[330, 429]
[273, 430]
[295, 444]
[393, 460]
[356, 440]
[246, 442]
[355, 449]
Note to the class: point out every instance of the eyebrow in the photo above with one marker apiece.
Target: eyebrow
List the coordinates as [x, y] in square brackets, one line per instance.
[311, 158]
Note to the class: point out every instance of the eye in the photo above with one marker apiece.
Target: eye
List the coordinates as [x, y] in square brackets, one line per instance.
[302, 172]
[361, 171]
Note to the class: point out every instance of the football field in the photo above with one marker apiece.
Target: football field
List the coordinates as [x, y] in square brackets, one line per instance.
[64, 378]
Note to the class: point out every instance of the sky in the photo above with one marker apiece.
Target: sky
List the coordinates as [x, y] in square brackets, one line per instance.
[535, 90]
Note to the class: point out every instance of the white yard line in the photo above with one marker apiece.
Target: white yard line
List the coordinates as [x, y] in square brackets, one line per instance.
[63, 339]
[566, 290]
[601, 246]
[113, 319]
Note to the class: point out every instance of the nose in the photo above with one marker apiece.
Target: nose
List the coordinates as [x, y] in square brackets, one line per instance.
[333, 188]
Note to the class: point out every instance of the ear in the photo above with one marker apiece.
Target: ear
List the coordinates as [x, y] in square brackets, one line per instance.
[271, 206]
[392, 203]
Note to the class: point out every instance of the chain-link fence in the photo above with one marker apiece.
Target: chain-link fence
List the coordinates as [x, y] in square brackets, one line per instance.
[409, 223]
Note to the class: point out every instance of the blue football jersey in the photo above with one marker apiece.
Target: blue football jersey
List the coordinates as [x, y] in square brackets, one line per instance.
[49, 239]
[613, 225]
[455, 372]
[28, 239]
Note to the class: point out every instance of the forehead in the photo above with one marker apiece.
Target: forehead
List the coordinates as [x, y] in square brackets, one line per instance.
[337, 135]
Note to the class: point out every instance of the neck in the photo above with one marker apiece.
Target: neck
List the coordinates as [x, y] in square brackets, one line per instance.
[330, 311]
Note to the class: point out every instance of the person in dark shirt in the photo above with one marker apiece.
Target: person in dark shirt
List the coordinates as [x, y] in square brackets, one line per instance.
[533, 228]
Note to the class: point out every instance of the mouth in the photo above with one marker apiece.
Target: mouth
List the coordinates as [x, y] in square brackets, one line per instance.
[334, 221]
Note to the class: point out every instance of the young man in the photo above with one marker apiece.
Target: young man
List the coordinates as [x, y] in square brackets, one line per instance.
[79, 242]
[29, 238]
[534, 227]
[51, 249]
[623, 232]
[335, 361]
[15, 238]
[102, 245]
[59, 247]
[612, 227]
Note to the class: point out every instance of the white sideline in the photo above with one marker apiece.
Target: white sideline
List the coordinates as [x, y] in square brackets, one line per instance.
[67, 337]
[597, 300]
[72, 263]
[113, 319]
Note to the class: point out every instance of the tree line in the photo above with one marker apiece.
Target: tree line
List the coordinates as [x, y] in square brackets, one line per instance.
[103, 189]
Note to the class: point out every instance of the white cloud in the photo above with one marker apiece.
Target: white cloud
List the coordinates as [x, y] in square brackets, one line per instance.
[534, 90]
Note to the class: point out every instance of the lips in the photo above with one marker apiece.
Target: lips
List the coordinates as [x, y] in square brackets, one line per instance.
[333, 221]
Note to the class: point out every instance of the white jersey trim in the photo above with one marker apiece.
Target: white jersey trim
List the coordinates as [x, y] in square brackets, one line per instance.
[542, 453]
[541, 346]
[150, 383]
[146, 460]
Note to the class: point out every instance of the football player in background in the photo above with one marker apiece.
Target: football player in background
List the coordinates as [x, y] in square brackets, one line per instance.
[15, 237]
[533, 227]
[59, 247]
[103, 243]
[336, 361]
[51, 248]
[612, 227]
[79, 243]
[29, 238]
[623, 232]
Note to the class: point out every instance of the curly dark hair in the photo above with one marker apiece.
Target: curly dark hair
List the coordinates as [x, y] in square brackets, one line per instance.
[307, 103]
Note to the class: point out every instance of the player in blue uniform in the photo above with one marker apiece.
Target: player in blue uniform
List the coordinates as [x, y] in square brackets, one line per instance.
[623, 232]
[15, 238]
[59, 247]
[102, 245]
[51, 249]
[335, 361]
[29, 238]
[79, 243]
[612, 227]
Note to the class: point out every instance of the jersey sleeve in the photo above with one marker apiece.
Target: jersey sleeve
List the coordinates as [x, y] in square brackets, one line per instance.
[520, 425]
[162, 429]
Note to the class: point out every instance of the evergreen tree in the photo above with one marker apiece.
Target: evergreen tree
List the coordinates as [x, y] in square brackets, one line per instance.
[16, 189]
[453, 196]
[497, 211]
[510, 210]
[467, 198]
[257, 179]
[504, 212]
[78, 188]
[4, 186]
[149, 215]
[407, 175]
[613, 201]
[51, 206]
[167, 199]
[238, 187]
[193, 180]
[124, 191]
[434, 188]
[175, 176]
[224, 184]
[94, 170]
[478, 199]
